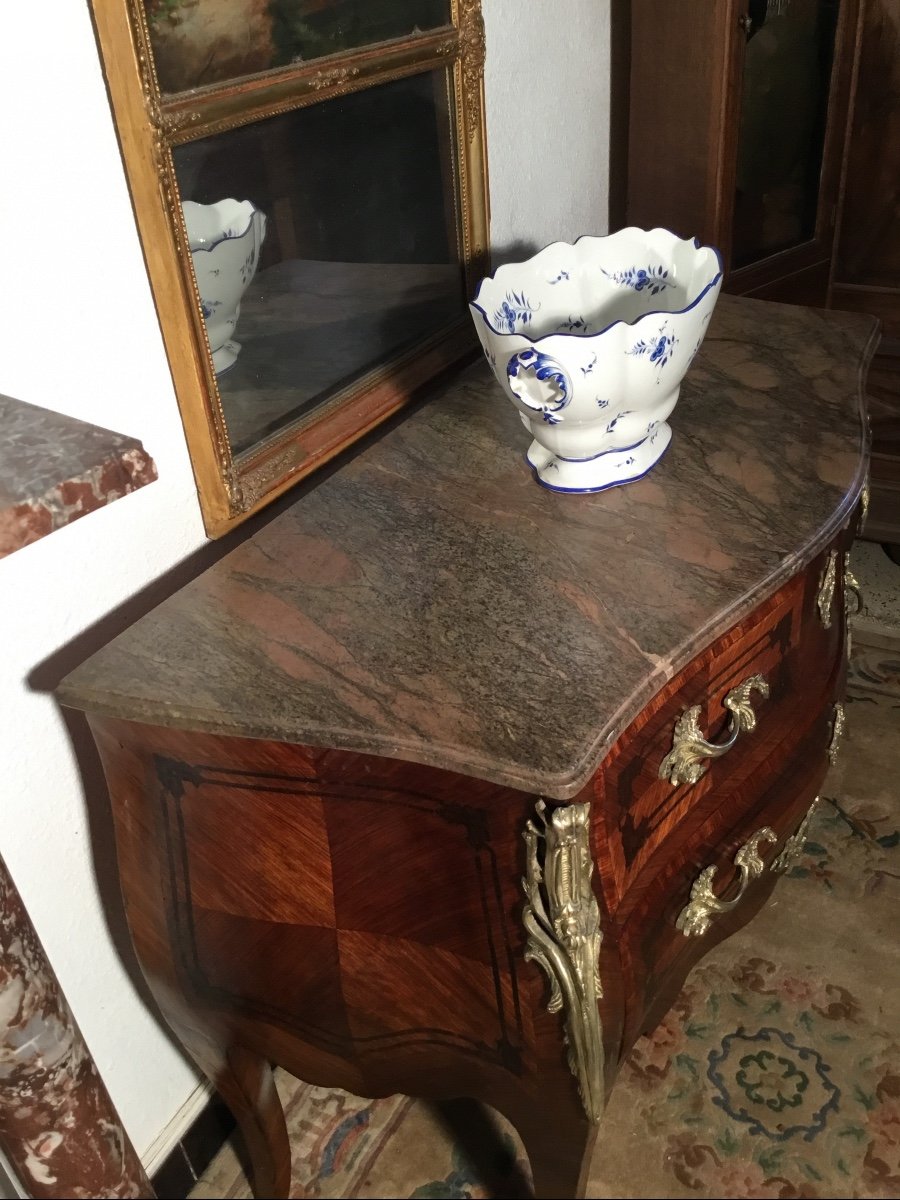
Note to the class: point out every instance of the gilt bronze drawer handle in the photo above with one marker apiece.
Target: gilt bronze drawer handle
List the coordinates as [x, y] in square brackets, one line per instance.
[562, 920]
[851, 585]
[837, 732]
[696, 917]
[851, 588]
[685, 761]
[795, 844]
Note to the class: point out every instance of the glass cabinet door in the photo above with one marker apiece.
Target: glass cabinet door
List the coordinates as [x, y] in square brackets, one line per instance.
[783, 114]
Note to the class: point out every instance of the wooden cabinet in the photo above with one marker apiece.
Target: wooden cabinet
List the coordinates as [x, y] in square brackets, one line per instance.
[337, 755]
[866, 268]
[737, 116]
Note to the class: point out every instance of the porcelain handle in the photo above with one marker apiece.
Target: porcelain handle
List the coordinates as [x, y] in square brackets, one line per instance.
[686, 761]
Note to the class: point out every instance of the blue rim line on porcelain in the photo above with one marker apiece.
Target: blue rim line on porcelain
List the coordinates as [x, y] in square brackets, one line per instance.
[614, 450]
[652, 312]
[604, 487]
[225, 237]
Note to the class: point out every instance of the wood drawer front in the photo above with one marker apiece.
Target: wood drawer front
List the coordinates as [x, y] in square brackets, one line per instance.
[787, 644]
[655, 955]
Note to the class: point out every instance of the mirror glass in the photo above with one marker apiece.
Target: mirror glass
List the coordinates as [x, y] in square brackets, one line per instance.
[325, 242]
[200, 42]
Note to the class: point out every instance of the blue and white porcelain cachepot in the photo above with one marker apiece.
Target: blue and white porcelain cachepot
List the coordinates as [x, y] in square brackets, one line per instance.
[591, 342]
[225, 240]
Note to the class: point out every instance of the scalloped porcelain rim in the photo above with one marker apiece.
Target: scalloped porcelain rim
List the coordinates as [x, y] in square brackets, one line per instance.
[236, 237]
[653, 312]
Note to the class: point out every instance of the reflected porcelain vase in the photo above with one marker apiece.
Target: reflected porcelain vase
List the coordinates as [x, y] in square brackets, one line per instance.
[225, 240]
[591, 341]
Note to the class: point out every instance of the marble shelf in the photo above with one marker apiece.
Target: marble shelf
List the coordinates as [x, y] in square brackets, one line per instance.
[55, 469]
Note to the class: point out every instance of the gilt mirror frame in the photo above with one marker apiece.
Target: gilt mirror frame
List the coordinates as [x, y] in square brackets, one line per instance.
[151, 125]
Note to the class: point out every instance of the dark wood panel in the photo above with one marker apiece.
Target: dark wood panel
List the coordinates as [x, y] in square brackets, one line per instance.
[619, 95]
[680, 152]
[869, 243]
[883, 392]
[685, 130]
[808, 285]
[881, 302]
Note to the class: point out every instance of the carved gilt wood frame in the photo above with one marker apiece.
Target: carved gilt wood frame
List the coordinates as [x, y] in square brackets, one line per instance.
[150, 125]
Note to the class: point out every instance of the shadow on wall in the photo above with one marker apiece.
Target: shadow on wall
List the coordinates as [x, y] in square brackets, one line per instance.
[517, 251]
[47, 675]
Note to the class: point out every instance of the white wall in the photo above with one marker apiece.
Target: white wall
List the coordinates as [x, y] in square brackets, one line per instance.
[78, 334]
[547, 92]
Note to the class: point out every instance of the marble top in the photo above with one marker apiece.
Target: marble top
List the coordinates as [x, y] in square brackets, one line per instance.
[55, 469]
[429, 601]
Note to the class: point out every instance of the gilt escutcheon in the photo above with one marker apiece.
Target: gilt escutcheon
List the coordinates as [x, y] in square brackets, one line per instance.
[562, 919]
[837, 732]
[825, 596]
[795, 844]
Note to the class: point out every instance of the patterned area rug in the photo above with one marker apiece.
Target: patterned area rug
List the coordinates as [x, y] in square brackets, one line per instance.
[777, 1073]
[875, 669]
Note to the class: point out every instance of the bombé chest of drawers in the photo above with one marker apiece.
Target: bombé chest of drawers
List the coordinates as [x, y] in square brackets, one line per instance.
[440, 782]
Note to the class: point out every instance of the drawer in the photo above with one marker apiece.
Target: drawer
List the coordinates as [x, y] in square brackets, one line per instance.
[798, 655]
[656, 954]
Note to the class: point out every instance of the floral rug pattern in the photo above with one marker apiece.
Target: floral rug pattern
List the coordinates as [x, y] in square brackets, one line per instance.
[775, 1074]
[807, 1089]
[875, 670]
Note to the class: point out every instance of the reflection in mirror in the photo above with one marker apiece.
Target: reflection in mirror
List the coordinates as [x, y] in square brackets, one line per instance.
[225, 240]
[199, 42]
[343, 219]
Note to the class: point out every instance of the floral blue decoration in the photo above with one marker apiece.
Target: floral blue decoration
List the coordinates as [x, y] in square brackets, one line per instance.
[589, 368]
[209, 307]
[601, 403]
[249, 264]
[618, 417]
[639, 279]
[659, 349]
[560, 277]
[573, 323]
[515, 308]
[543, 367]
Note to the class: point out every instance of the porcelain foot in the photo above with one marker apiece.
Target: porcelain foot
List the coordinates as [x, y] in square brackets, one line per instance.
[609, 469]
